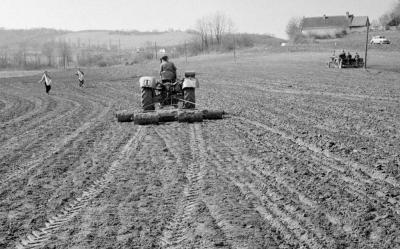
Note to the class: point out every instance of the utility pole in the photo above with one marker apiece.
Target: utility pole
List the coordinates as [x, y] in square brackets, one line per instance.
[119, 51]
[234, 47]
[155, 49]
[366, 46]
[185, 52]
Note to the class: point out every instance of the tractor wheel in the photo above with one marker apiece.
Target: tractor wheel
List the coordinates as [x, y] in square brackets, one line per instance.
[189, 97]
[147, 99]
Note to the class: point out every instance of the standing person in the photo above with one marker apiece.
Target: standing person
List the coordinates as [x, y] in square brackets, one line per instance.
[357, 58]
[167, 70]
[80, 77]
[348, 57]
[46, 79]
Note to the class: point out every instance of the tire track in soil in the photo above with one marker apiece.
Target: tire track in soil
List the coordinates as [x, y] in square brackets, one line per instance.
[238, 227]
[89, 167]
[146, 187]
[24, 136]
[355, 181]
[355, 188]
[39, 238]
[51, 117]
[178, 230]
[294, 228]
[293, 212]
[57, 148]
[310, 111]
[54, 110]
[14, 107]
[48, 109]
[351, 165]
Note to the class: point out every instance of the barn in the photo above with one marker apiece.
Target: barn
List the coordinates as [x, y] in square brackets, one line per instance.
[333, 25]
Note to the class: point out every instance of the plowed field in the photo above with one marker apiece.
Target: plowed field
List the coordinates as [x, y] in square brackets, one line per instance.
[308, 157]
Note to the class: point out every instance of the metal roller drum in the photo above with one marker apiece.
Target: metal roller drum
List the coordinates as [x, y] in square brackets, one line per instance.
[124, 116]
[146, 118]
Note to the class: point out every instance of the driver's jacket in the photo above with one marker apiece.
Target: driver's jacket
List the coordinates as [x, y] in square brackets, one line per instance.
[167, 71]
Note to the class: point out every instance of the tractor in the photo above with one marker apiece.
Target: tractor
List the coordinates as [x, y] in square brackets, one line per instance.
[174, 99]
[177, 93]
[337, 62]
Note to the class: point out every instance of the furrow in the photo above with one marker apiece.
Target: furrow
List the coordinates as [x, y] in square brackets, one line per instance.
[354, 166]
[39, 238]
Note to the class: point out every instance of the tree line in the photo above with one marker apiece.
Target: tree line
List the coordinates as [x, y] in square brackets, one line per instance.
[212, 33]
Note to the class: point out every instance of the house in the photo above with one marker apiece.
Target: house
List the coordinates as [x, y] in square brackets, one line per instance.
[359, 23]
[333, 25]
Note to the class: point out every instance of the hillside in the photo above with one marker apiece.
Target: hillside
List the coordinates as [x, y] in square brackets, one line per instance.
[127, 40]
[10, 38]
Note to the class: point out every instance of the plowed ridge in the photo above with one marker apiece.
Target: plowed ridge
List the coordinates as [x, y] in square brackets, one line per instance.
[38, 238]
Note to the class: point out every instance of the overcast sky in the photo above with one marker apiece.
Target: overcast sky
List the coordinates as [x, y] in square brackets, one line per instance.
[252, 16]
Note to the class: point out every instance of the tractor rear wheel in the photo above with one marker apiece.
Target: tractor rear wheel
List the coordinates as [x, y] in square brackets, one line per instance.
[189, 97]
[147, 99]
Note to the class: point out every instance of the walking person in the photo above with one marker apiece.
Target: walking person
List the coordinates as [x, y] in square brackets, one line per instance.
[80, 77]
[46, 80]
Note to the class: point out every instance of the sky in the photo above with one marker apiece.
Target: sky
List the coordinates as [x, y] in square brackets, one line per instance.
[251, 16]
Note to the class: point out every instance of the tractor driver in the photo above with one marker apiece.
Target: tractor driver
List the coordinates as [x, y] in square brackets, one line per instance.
[167, 70]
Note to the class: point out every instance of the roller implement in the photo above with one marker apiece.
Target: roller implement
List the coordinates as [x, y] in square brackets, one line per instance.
[168, 101]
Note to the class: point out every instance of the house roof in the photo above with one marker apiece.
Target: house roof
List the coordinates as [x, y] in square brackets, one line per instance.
[359, 21]
[325, 22]
[334, 22]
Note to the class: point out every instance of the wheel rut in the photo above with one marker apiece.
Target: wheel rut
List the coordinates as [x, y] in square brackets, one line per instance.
[178, 230]
[39, 238]
[353, 166]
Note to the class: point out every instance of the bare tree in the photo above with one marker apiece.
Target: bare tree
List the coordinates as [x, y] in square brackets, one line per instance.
[202, 29]
[212, 28]
[219, 23]
[48, 51]
[293, 28]
[20, 55]
[64, 52]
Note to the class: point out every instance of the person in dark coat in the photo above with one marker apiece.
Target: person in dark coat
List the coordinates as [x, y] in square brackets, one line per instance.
[167, 70]
[348, 57]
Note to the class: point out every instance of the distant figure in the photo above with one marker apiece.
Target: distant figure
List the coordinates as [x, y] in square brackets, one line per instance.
[46, 80]
[348, 57]
[167, 70]
[80, 75]
[357, 57]
[342, 55]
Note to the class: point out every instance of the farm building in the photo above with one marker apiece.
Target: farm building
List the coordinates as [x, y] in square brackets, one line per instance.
[333, 25]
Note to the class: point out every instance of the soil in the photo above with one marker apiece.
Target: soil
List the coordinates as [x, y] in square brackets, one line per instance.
[307, 157]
